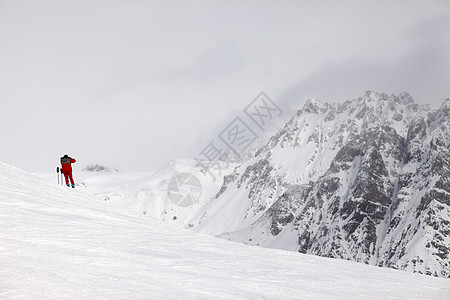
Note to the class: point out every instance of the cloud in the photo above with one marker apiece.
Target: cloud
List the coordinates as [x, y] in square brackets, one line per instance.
[422, 70]
[118, 81]
[221, 60]
[425, 69]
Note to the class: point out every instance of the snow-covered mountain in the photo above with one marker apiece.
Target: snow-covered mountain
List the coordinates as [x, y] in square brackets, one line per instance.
[98, 168]
[176, 193]
[366, 180]
[57, 242]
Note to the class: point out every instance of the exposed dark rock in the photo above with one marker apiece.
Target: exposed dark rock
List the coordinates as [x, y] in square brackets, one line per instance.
[367, 180]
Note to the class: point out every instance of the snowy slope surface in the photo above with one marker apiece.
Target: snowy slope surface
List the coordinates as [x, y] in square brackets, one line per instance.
[56, 242]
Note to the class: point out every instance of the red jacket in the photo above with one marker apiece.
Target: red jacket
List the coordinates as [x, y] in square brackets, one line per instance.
[66, 164]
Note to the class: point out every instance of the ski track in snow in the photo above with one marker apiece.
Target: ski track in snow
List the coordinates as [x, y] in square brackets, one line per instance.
[57, 242]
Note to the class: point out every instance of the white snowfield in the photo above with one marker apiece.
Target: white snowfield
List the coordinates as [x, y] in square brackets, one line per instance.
[57, 242]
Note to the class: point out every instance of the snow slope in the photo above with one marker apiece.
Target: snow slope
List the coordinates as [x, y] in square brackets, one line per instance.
[57, 242]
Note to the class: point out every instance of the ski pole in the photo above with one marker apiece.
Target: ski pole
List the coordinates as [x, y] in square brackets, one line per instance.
[57, 173]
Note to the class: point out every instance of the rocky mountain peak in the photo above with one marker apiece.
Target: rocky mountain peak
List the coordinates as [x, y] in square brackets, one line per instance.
[446, 107]
[405, 98]
[314, 106]
[365, 180]
[98, 168]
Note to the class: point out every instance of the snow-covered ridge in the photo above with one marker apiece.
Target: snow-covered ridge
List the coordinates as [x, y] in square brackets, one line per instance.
[57, 243]
[98, 168]
[149, 193]
[366, 180]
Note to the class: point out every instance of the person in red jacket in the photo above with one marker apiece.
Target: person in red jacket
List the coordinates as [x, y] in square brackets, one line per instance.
[66, 164]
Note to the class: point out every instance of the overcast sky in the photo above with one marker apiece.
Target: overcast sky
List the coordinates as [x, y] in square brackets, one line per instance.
[132, 84]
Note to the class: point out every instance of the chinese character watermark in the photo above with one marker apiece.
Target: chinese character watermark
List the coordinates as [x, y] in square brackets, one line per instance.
[262, 111]
[238, 136]
[185, 189]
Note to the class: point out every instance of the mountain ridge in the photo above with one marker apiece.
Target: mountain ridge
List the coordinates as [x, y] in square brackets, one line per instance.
[98, 168]
[364, 180]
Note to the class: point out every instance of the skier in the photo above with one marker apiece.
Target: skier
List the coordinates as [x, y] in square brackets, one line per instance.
[66, 164]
